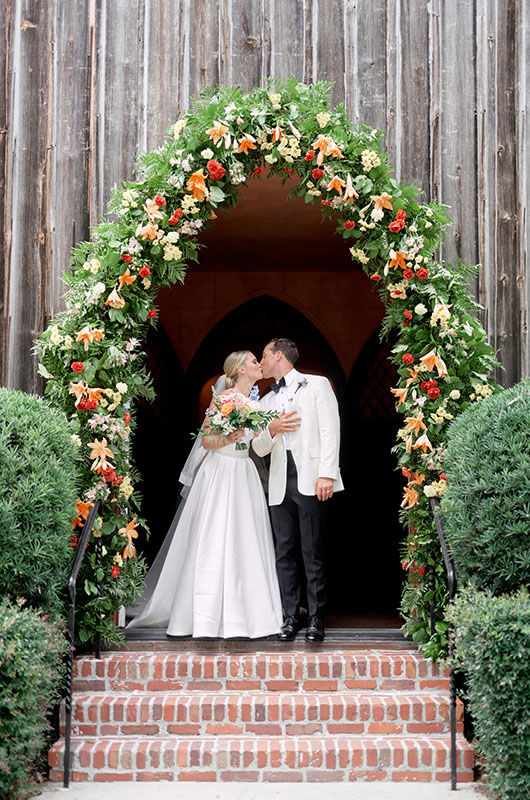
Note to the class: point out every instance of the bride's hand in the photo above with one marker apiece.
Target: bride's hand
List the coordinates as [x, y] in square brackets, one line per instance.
[235, 437]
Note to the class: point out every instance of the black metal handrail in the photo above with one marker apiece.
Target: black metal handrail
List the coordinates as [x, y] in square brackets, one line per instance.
[451, 588]
[71, 586]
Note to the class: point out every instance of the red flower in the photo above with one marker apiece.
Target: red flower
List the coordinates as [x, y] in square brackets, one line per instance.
[406, 324]
[77, 366]
[317, 174]
[145, 271]
[326, 202]
[422, 273]
[127, 258]
[407, 314]
[408, 274]
[216, 170]
[406, 472]
[349, 224]
[288, 170]
[115, 571]
[117, 481]
[421, 570]
[401, 214]
[375, 277]
[425, 386]
[309, 156]
[109, 475]
[82, 404]
[74, 541]
[159, 200]
[91, 405]
[151, 313]
[396, 225]
[257, 171]
[174, 218]
[433, 393]
[408, 359]
[443, 476]
[127, 418]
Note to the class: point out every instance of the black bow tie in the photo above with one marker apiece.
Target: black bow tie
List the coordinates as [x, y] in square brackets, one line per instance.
[277, 386]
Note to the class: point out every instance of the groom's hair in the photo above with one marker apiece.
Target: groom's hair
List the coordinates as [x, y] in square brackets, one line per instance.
[285, 346]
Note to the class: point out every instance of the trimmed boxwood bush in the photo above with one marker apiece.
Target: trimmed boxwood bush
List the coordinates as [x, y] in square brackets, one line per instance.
[31, 649]
[486, 510]
[492, 636]
[38, 475]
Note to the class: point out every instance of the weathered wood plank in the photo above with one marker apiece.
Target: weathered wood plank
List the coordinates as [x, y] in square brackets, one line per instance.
[522, 82]
[329, 45]
[29, 138]
[71, 141]
[287, 39]
[204, 46]
[6, 54]
[247, 43]
[366, 63]
[458, 131]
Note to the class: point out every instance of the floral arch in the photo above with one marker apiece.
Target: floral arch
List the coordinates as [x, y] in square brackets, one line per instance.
[91, 354]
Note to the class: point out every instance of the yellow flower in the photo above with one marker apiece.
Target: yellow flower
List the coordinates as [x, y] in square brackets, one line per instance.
[359, 255]
[370, 159]
[178, 127]
[172, 252]
[323, 118]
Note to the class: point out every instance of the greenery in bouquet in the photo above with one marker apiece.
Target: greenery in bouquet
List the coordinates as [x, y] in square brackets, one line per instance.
[91, 352]
[234, 412]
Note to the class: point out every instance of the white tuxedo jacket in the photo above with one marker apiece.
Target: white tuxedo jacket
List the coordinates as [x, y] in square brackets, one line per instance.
[314, 446]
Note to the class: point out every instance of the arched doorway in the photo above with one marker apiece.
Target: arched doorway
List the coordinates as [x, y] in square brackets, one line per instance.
[363, 534]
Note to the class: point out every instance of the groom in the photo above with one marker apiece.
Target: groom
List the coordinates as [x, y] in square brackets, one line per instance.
[304, 472]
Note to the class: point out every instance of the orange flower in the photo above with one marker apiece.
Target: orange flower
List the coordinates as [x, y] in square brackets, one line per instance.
[415, 424]
[277, 133]
[94, 394]
[413, 377]
[349, 192]
[247, 143]
[197, 185]
[87, 336]
[401, 394]
[226, 408]
[382, 201]
[217, 132]
[130, 532]
[423, 442]
[148, 231]
[335, 151]
[326, 147]
[78, 389]
[114, 300]
[337, 184]
[99, 454]
[432, 361]
[416, 479]
[152, 210]
[126, 279]
[410, 497]
[398, 259]
[82, 511]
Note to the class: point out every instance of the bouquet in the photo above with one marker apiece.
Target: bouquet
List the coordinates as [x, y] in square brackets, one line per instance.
[234, 412]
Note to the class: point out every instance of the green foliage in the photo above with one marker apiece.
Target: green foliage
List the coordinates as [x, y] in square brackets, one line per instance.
[30, 681]
[493, 647]
[228, 138]
[38, 477]
[486, 510]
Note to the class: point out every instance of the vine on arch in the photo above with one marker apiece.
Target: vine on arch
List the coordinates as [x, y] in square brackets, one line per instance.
[91, 354]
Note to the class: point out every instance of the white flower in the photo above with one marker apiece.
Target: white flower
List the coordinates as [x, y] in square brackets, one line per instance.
[146, 283]
[122, 387]
[172, 236]
[97, 290]
[428, 224]
[76, 439]
[429, 212]
[55, 336]
[186, 166]
[429, 491]
[207, 153]
[420, 309]
[377, 214]
[454, 395]
[359, 255]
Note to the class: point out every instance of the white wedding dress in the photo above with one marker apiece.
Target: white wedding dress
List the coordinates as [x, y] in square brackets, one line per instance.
[219, 578]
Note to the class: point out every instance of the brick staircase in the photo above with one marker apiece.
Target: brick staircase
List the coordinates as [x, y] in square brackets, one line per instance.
[345, 715]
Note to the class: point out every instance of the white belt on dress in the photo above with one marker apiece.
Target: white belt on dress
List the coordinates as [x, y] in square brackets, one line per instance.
[232, 453]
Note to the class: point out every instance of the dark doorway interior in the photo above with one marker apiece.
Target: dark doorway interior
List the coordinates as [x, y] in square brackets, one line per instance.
[364, 570]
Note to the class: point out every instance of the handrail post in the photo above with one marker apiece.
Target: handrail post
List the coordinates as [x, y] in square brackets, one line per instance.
[71, 585]
[99, 561]
[451, 586]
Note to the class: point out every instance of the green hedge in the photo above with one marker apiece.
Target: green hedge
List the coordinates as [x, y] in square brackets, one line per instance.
[493, 647]
[38, 475]
[486, 510]
[31, 649]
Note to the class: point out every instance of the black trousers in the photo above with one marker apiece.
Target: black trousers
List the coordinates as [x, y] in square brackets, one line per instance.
[298, 526]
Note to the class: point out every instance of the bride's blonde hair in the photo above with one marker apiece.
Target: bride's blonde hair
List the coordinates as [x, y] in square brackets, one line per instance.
[231, 366]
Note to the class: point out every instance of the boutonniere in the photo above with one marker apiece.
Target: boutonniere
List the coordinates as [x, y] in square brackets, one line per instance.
[301, 385]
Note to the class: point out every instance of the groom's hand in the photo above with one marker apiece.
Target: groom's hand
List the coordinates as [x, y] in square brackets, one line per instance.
[324, 488]
[285, 423]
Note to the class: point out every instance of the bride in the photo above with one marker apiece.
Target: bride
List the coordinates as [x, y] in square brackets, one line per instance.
[219, 577]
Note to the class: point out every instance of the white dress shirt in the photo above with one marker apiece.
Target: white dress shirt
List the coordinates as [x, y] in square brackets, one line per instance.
[286, 400]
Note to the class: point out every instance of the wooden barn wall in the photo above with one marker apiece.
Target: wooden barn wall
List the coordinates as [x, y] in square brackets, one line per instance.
[88, 85]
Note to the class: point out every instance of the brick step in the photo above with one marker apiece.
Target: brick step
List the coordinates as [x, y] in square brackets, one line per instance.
[263, 714]
[380, 758]
[260, 671]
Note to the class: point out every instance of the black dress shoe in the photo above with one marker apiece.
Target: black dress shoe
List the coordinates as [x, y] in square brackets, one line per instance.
[315, 629]
[289, 629]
